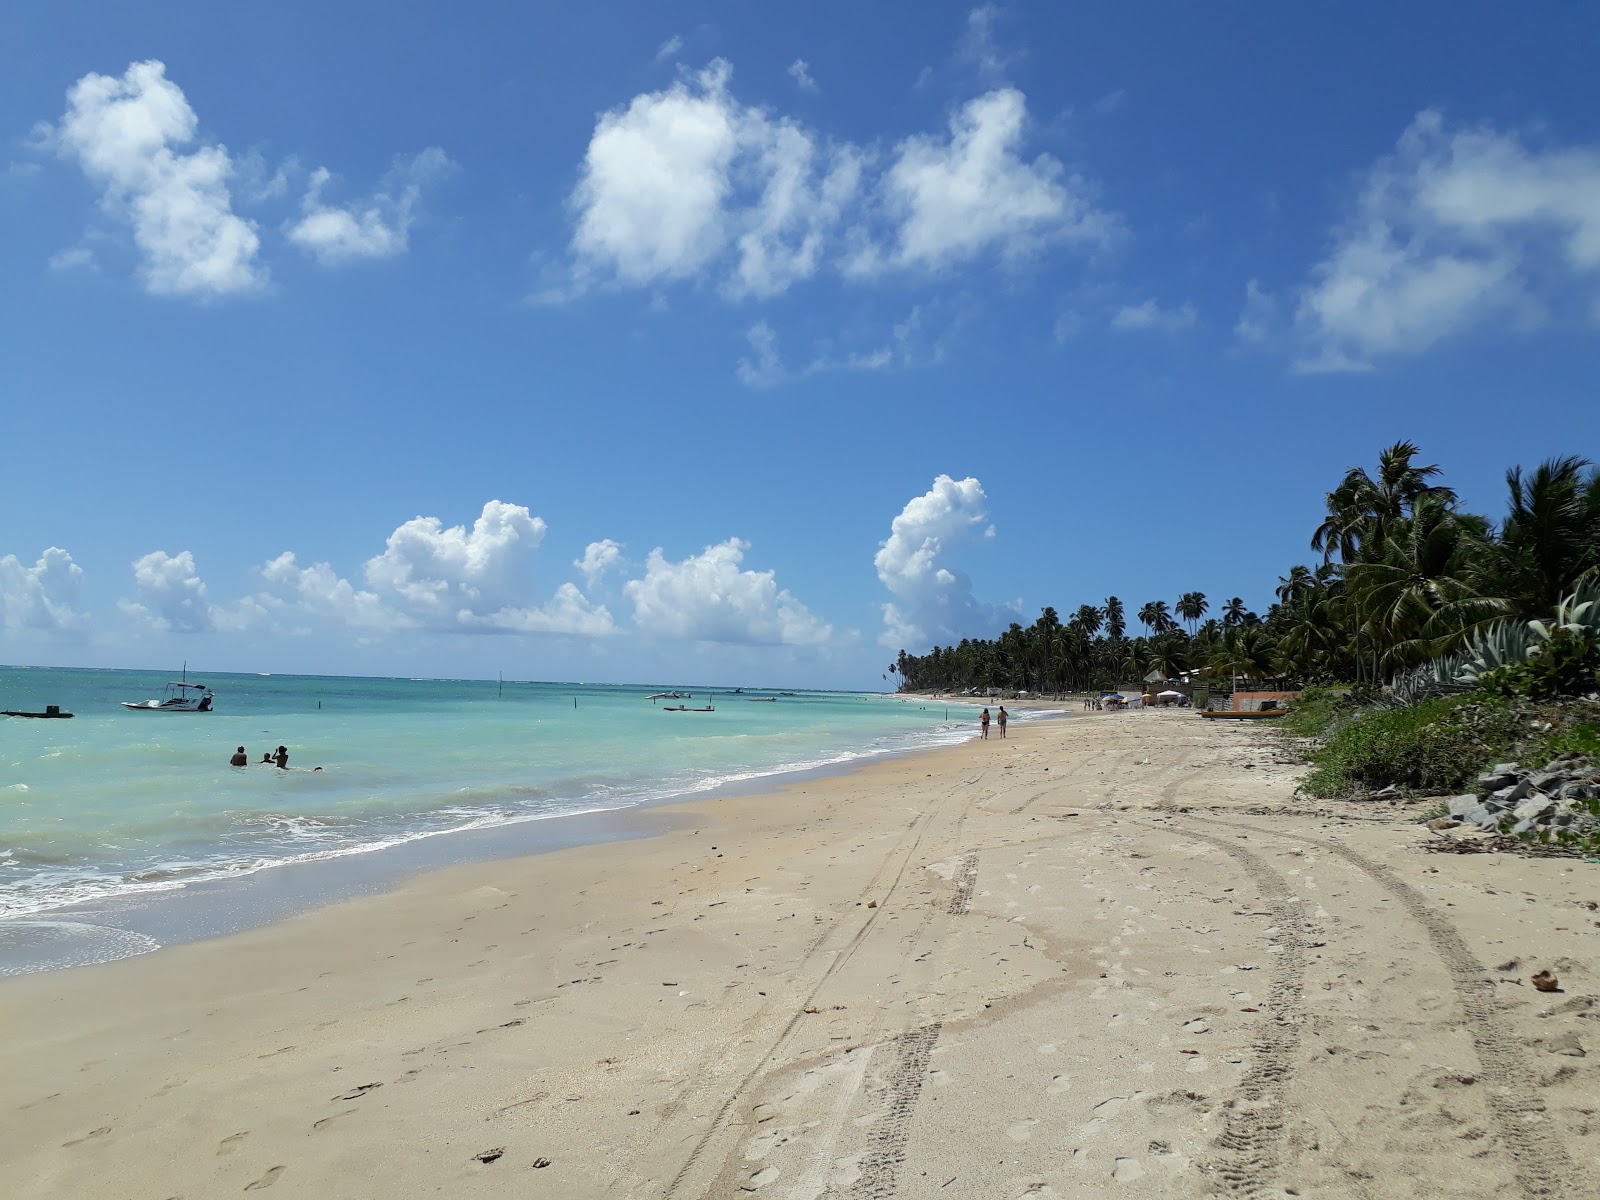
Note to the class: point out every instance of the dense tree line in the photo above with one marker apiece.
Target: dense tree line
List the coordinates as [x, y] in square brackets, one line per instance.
[1402, 576]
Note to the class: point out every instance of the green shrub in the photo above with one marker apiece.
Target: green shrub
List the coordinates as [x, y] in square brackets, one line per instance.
[1436, 746]
[1311, 715]
[1567, 663]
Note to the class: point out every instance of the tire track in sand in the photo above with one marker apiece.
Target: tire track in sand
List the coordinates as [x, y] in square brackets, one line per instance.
[1252, 1135]
[718, 1128]
[887, 1139]
[1541, 1163]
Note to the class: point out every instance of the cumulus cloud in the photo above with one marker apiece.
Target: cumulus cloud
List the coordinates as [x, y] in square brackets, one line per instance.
[689, 183]
[800, 72]
[971, 192]
[125, 134]
[42, 598]
[430, 577]
[1150, 315]
[377, 227]
[681, 176]
[706, 597]
[933, 600]
[1456, 226]
[318, 591]
[170, 595]
[598, 558]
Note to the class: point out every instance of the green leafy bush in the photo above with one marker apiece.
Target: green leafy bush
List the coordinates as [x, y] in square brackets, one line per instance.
[1436, 746]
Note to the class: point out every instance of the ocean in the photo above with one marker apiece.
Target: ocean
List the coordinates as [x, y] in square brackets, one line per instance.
[113, 805]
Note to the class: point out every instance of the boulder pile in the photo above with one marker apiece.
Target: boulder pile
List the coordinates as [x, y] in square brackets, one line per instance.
[1560, 797]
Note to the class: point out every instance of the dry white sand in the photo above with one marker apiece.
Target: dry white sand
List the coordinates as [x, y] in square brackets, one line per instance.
[1110, 955]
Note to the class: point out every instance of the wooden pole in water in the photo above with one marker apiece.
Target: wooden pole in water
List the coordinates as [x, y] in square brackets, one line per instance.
[502, 692]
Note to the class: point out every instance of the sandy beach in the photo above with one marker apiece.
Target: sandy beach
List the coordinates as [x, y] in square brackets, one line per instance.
[1108, 955]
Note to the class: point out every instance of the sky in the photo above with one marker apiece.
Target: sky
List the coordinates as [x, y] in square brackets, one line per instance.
[751, 344]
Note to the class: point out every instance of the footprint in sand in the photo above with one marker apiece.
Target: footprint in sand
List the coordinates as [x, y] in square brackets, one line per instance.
[335, 1117]
[1022, 1130]
[1060, 1085]
[93, 1133]
[1127, 1170]
[267, 1180]
[230, 1143]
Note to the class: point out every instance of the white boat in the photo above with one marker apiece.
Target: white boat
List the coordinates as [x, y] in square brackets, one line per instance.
[181, 696]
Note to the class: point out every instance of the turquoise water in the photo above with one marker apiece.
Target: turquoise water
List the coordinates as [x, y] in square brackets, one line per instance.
[120, 804]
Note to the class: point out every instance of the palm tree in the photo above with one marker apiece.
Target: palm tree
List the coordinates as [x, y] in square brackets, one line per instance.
[1088, 618]
[1155, 617]
[1294, 585]
[1361, 509]
[1418, 597]
[1550, 537]
[1191, 606]
[1116, 623]
[1233, 612]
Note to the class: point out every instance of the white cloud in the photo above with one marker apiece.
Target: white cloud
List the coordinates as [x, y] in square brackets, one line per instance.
[764, 368]
[979, 45]
[800, 70]
[1258, 316]
[123, 133]
[436, 573]
[170, 596]
[681, 176]
[318, 591]
[598, 558]
[1456, 226]
[959, 197]
[650, 198]
[1150, 315]
[378, 227]
[706, 597]
[933, 600]
[669, 49]
[74, 258]
[43, 597]
[688, 183]
[568, 612]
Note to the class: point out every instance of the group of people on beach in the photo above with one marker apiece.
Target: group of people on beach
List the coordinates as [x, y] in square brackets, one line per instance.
[278, 758]
[1000, 719]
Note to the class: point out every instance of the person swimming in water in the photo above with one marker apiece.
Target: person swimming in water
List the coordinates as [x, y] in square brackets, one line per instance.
[239, 759]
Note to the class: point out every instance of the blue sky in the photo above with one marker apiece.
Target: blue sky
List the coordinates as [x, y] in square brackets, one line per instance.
[751, 343]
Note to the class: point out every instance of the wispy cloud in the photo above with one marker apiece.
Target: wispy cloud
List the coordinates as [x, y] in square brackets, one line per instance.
[800, 71]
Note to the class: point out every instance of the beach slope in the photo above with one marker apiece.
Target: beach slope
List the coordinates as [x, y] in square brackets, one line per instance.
[1109, 955]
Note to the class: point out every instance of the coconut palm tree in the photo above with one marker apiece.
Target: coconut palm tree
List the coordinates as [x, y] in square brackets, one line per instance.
[1233, 612]
[1116, 623]
[1088, 618]
[1191, 606]
[1550, 536]
[1418, 597]
[1361, 509]
[1155, 617]
[1294, 585]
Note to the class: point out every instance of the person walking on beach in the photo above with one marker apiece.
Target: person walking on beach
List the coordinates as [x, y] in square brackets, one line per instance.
[239, 759]
[983, 721]
[1002, 719]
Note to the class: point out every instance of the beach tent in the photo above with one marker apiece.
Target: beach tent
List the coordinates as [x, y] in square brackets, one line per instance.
[1169, 694]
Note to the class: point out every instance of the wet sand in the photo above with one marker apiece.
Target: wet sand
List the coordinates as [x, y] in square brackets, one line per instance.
[1107, 955]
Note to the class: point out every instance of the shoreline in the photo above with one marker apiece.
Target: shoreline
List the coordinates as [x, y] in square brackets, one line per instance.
[109, 929]
[1097, 957]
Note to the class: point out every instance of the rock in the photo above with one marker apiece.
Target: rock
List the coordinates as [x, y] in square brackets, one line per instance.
[1440, 824]
[1566, 1043]
[1534, 808]
[1546, 981]
[1461, 805]
[1548, 781]
[1502, 798]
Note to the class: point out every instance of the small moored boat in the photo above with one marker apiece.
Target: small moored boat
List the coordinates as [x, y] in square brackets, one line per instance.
[51, 712]
[181, 696]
